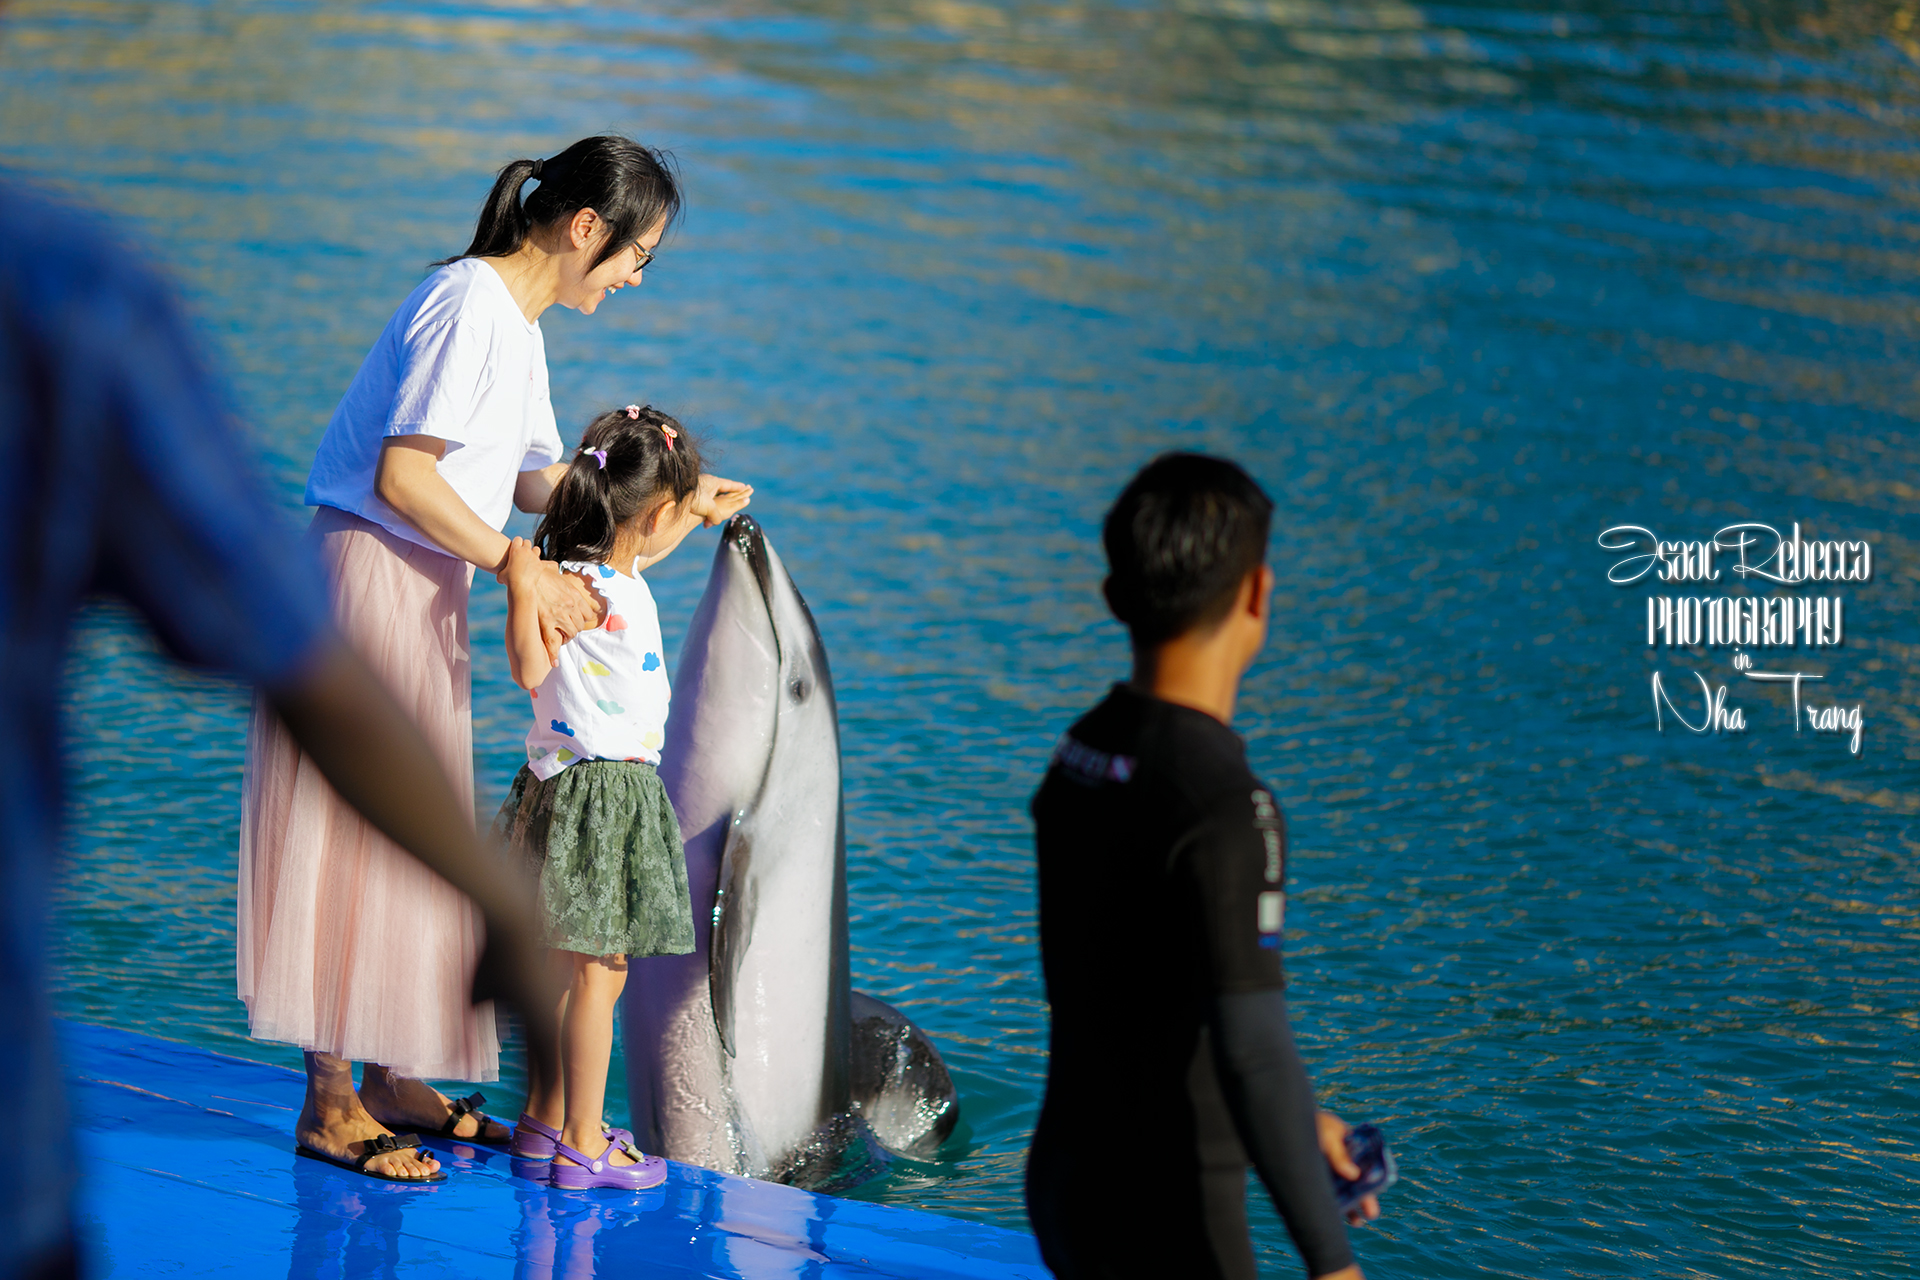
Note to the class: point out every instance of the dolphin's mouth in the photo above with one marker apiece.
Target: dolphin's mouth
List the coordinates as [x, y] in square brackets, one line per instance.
[743, 531]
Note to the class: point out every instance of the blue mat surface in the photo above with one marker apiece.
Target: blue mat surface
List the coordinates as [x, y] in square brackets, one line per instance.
[191, 1171]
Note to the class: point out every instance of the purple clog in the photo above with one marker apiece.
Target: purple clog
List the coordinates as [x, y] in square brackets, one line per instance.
[590, 1171]
[533, 1140]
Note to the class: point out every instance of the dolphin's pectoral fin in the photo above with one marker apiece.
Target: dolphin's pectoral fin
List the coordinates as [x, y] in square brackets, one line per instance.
[901, 1088]
[733, 911]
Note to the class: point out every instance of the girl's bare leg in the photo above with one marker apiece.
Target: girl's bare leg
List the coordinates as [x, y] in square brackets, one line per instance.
[586, 1049]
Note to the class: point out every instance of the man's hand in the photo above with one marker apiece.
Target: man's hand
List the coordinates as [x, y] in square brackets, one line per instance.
[1333, 1145]
[718, 500]
[564, 604]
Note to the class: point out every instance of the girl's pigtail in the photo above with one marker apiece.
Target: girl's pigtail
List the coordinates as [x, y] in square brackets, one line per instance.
[606, 521]
[579, 523]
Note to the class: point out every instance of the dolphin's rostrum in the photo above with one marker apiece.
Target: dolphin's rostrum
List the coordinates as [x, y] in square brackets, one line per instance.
[752, 1055]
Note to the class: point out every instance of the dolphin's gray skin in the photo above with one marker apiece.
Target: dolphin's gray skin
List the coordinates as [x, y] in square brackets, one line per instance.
[900, 1086]
[740, 1056]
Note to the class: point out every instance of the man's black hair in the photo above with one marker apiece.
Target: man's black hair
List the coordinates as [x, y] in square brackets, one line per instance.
[1180, 540]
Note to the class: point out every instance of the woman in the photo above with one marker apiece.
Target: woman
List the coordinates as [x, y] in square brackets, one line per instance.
[346, 947]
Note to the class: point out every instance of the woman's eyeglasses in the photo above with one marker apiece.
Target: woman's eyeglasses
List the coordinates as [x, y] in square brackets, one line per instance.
[641, 257]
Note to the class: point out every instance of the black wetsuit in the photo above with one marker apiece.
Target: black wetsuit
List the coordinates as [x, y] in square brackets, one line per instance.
[1162, 879]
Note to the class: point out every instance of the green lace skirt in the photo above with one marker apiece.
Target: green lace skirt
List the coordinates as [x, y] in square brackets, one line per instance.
[602, 838]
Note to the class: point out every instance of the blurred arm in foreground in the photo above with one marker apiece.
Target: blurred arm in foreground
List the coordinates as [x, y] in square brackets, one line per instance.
[380, 763]
[121, 471]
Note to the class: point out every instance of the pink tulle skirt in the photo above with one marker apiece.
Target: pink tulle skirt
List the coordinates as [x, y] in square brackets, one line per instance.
[348, 945]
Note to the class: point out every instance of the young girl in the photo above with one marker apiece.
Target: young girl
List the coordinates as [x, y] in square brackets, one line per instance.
[587, 809]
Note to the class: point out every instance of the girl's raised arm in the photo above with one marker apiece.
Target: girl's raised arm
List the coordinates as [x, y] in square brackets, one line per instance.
[714, 501]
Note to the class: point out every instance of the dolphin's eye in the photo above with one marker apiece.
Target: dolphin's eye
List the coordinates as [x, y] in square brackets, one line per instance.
[798, 689]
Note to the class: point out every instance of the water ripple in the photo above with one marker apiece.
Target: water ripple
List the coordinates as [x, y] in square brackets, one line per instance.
[1463, 284]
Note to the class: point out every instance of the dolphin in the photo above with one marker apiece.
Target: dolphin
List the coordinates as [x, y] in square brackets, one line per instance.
[752, 1055]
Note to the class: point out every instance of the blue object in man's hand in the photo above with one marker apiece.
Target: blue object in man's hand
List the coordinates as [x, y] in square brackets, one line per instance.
[1366, 1147]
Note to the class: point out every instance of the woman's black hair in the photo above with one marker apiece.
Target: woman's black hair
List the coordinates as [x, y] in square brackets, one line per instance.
[631, 187]
[627, 464]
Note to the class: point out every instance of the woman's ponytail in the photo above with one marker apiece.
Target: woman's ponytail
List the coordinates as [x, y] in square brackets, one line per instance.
[632, 188]
[503, 222]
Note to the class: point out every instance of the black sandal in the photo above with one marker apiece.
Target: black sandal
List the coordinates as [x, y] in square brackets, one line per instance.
[470, 1105]
[385, 1144]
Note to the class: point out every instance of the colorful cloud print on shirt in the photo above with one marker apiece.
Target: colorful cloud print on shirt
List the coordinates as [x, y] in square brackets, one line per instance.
[596, 669]
[616, 623]
[650, 663]
[560, 726]
[611, 707]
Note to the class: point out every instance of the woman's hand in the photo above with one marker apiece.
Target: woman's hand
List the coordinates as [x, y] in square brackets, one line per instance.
[1333, 1145]
[717, 500]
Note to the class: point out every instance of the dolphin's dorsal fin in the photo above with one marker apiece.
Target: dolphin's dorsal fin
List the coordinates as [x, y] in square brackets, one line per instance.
[733, 911]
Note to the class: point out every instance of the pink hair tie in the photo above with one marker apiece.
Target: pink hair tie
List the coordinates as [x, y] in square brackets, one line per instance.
[672, 435]
[633, 411]
[599, 456]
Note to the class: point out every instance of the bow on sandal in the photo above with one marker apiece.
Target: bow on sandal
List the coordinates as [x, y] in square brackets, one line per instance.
[385, 1144]
[470, 1106]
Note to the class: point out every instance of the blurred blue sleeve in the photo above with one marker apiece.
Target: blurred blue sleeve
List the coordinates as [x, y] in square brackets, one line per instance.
[143, 443]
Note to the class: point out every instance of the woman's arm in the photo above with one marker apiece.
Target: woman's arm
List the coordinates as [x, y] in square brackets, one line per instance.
[532, 490]
[408, 480]
[527, 651]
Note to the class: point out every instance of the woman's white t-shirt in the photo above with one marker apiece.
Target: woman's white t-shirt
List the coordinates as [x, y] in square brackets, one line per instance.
[460, 363]
[606, 699]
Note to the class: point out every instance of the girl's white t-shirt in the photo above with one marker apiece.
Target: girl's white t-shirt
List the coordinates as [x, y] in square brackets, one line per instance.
[606, 699]
[460, 363]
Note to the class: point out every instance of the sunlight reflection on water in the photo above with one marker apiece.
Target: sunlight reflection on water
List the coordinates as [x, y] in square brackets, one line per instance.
[1462, 285]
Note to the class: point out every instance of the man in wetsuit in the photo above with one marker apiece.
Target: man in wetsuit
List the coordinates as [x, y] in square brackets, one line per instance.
[1162, 895]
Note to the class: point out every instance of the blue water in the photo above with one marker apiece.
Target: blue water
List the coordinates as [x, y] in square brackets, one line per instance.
[1462, 284]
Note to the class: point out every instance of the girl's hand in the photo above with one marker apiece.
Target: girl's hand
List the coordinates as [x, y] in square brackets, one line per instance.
[717, 500]
[522, 565]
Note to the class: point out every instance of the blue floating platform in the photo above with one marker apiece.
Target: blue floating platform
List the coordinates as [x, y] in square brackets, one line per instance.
[190, 1171]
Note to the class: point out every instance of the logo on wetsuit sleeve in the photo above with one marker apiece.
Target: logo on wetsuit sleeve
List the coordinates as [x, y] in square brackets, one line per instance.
[1272, 908]
[1273, 917]
[1266, 820]
[1089, 767]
